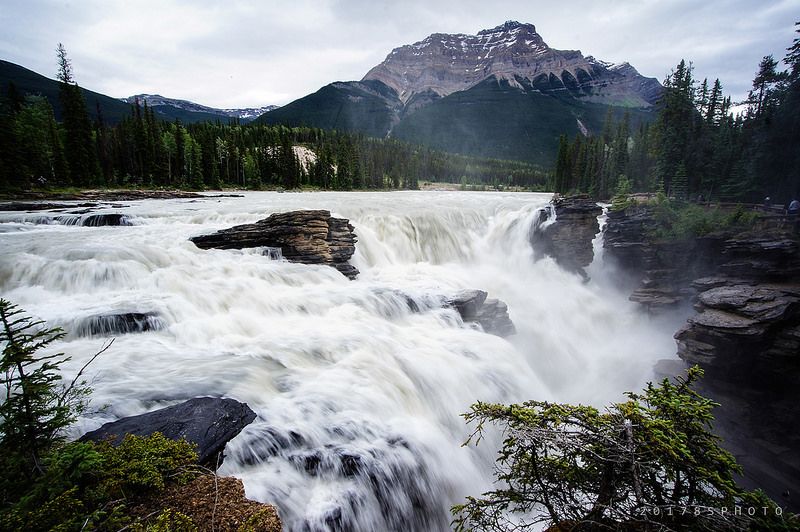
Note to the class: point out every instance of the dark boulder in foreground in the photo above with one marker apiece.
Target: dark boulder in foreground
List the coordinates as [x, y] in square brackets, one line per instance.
[491, 314]
[307, 237]
[208, 422]
[569, 239]
[129, 322]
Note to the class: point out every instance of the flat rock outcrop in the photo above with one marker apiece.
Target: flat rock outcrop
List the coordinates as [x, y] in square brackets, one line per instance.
[569, 239]
[491, 314]
[208, 422]
[40, 206]
[307, 237]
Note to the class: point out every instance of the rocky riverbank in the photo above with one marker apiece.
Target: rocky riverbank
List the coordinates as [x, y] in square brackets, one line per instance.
[30, 200]
[744, 284]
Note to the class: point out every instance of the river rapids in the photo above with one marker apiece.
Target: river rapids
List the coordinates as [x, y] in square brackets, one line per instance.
[358, 393]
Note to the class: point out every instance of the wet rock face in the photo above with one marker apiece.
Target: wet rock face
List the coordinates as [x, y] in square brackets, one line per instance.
[307, 237]
[491, 314]
[386, 473]
[208, 422]
[100, 220]
[569, 239]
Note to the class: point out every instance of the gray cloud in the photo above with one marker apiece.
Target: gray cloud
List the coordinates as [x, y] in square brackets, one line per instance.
[239, 53]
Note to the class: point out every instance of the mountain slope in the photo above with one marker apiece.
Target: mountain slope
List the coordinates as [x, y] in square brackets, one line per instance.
[369, 107]
[114, 109]
[445, 64]
[498, 119]
[29, 82]
[502, 93]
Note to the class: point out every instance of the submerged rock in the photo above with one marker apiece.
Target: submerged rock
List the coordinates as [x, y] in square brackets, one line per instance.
[94, 220]
[491, 314]
[99, 220]
[209, 422]
[129, 322]
[307, 237]
[569, 239]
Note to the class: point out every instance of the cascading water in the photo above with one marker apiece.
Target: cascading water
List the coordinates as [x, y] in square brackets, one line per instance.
[358, 392]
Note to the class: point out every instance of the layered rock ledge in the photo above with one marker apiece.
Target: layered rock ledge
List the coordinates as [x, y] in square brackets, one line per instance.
[569, 239]
[745, 286]
[307, 237]
[745, 331]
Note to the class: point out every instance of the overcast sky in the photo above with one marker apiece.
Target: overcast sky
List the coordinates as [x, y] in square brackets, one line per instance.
[241, 54]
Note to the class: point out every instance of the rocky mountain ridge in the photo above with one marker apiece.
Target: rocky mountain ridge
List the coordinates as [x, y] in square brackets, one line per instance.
[156, 100]
[503, 94]
[442, 64]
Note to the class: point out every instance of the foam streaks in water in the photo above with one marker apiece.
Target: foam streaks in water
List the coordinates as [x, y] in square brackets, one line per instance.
[358, 386]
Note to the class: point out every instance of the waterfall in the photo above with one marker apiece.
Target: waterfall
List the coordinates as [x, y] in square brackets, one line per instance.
[358, 385]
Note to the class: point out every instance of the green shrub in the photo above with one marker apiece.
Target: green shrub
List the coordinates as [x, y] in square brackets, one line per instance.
[681, 220]
[170, 521]
[649, 463]
[145, 464]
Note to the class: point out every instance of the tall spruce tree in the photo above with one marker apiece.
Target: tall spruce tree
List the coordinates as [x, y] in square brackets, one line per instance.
[77, 127]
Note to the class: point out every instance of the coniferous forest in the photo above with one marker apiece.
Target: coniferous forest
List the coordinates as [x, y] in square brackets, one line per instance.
[695, 148]
[143, 151]
[698, 148]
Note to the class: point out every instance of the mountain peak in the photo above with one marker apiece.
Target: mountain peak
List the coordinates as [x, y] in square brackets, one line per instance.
[442, 64]
[509, 25]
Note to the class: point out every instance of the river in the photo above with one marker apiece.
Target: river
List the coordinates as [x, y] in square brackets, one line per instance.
[358, 397]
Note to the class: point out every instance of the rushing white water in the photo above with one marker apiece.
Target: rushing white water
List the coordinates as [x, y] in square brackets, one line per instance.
[358, 397]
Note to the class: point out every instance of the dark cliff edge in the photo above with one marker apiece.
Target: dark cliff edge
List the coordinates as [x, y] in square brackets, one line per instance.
[744, 285]
[568, 238]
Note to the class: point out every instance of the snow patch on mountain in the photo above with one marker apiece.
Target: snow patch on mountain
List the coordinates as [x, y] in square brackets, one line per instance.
[156, 100]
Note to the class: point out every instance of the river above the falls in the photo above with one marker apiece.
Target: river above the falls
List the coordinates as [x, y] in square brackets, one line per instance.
[358, 394]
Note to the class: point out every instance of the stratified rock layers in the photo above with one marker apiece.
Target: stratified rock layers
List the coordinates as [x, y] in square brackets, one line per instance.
[307, 237]
[746, 288]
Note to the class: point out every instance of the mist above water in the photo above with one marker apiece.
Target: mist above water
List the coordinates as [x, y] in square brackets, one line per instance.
[358, 396]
